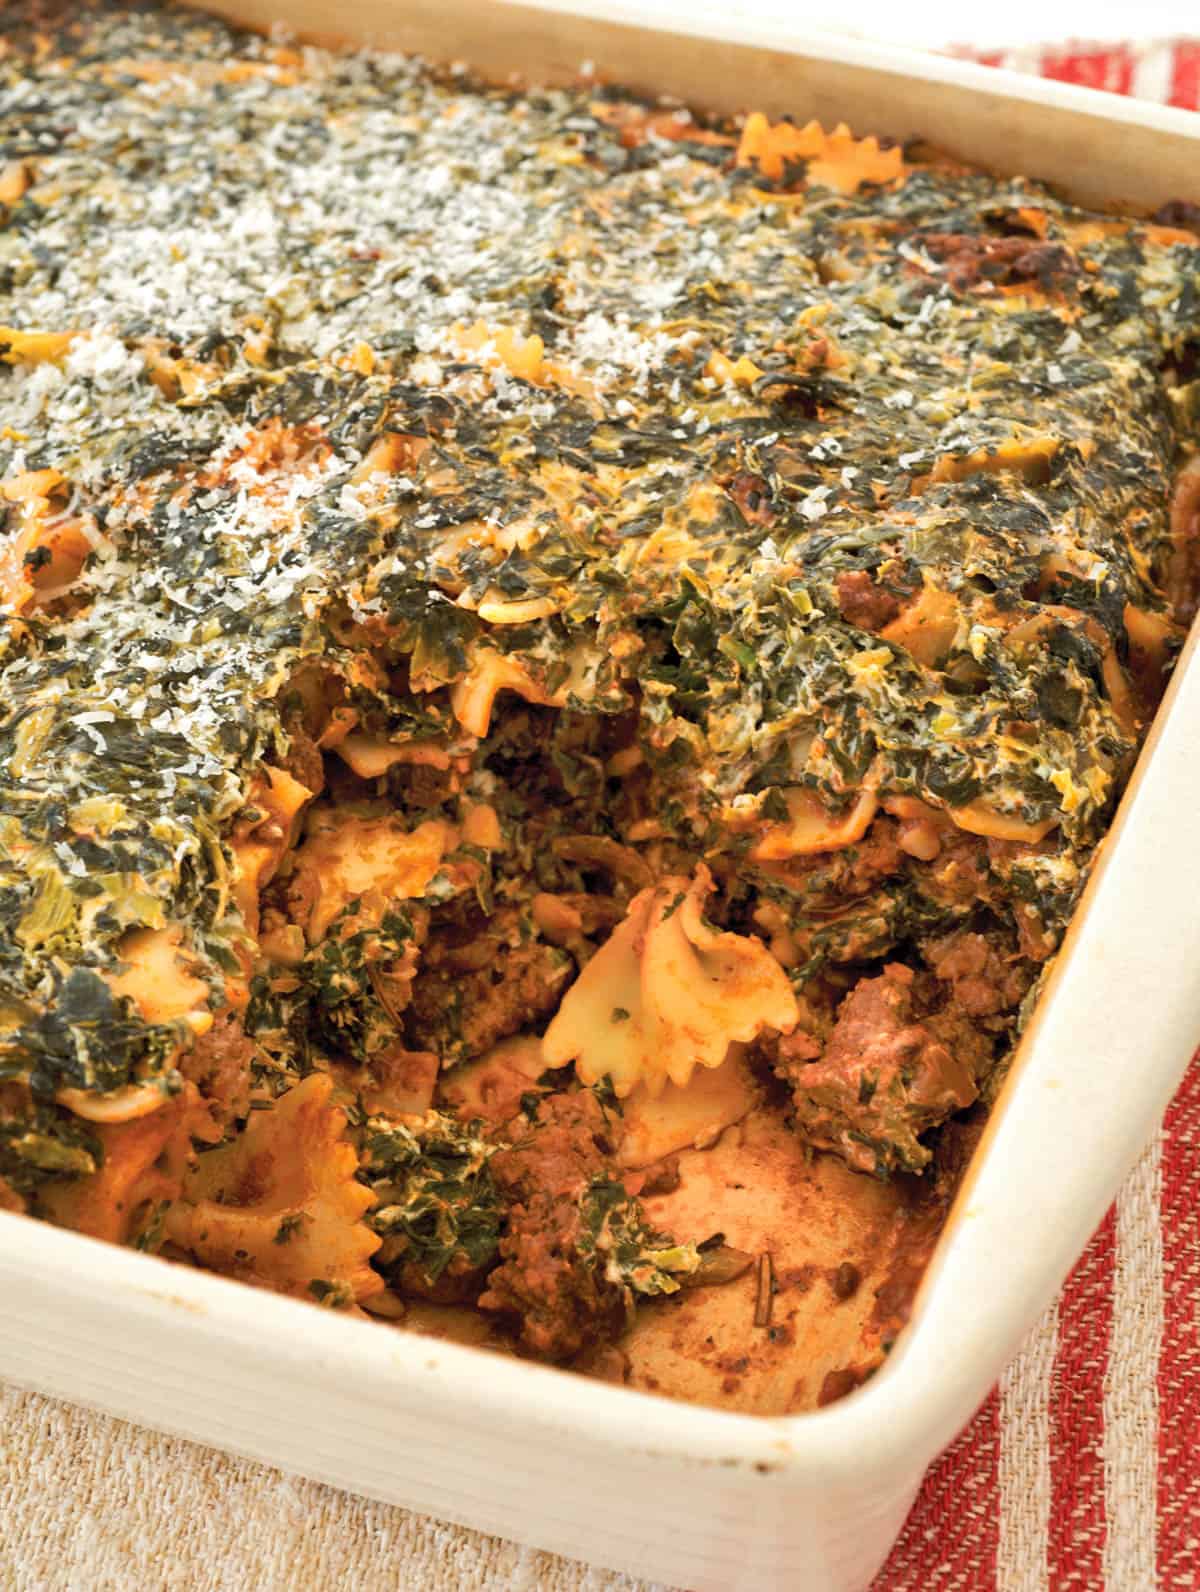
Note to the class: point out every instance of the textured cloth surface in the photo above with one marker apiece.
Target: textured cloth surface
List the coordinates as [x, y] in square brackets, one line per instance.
[89, 1504]
[1082, 1469]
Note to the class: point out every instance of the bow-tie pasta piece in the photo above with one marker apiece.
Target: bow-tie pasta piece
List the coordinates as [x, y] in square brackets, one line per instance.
[668, 993]
[282, 1205]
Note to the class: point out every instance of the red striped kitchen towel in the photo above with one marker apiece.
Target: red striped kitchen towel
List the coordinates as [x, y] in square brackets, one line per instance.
[1166, 70]
[1082, 1470]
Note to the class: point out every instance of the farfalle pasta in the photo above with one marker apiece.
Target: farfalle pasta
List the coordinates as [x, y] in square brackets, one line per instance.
[668, 993]
[281, 1204]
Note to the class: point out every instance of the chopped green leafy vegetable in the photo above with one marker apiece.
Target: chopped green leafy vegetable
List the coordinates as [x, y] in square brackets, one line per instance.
[437, 1204]
[44, 1143]
[615, 1234]
[355, 982]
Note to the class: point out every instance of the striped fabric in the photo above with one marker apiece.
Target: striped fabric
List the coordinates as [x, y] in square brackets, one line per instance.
[1082, 1470]
[1083, 1467]
[1166, 70]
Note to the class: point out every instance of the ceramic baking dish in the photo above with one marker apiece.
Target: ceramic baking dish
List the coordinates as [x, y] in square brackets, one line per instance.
[689, 1495]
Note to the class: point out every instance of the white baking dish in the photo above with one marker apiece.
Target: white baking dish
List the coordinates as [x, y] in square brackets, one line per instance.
[681, 1494]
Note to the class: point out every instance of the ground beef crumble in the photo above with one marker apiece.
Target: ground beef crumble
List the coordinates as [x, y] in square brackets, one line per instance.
[219, 1064]
[471, 994]
[902, 1057]
[863, 603]
[561, 1300]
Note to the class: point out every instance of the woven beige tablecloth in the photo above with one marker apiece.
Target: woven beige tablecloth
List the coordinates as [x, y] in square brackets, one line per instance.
[89, 1504]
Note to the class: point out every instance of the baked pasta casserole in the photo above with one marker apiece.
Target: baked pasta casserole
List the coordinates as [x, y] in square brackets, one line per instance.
[564, 663]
